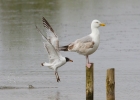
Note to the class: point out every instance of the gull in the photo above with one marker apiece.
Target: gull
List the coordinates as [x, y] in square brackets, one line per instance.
[51, 44]
[86, 45]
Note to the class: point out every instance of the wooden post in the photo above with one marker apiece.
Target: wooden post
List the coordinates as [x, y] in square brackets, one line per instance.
[110, 84]
[90, 82]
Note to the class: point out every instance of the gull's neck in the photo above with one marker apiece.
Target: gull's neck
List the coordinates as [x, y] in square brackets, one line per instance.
[95, 33]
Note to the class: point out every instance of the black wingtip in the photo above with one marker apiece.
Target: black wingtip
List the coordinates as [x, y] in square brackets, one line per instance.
[46, 24]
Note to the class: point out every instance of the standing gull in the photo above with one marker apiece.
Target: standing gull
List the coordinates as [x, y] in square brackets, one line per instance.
[86, 45]
[51, 44]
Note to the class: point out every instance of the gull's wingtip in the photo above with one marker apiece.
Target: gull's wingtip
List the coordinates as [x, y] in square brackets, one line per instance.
[36, 26]
[43, 17]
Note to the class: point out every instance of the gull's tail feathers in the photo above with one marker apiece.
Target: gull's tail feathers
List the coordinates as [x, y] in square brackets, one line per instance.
[64, 48]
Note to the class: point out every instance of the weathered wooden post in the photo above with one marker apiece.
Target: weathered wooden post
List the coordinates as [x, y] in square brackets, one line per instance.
[110, 84]
[90, 82]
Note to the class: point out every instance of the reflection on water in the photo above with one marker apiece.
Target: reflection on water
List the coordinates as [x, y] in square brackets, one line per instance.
[29, 87]
[21, 48]
[55, 97]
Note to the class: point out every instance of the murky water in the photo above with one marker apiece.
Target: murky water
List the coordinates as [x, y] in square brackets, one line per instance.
[21, 48]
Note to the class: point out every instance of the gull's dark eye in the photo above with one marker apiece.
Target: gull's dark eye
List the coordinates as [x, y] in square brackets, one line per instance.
[96, 22]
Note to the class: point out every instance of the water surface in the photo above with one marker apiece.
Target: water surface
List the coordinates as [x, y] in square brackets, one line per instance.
[21, 48]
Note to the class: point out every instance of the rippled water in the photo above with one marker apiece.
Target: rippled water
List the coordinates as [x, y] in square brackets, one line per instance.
[21, 48]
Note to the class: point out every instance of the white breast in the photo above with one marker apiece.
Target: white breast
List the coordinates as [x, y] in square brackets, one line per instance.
[58, 63]
[96, 38]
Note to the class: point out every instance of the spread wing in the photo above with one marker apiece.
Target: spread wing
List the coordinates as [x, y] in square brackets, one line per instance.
[52, 53]
[52, 36]
[45, 38]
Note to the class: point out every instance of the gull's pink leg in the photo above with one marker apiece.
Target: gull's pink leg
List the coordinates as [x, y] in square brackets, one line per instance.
[87, 62]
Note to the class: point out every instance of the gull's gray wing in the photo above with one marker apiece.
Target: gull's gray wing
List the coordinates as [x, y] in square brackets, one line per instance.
[81, 44]
[52, 35]
[84, 39]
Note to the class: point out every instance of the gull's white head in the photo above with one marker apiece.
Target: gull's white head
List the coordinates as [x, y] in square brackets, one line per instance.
[96, 24]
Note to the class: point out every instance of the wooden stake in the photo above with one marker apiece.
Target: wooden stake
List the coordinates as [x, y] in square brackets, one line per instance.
[90, 82]
[110, 84]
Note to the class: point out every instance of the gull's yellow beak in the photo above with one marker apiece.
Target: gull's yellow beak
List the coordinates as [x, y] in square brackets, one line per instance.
[70, 60]
[102, 24]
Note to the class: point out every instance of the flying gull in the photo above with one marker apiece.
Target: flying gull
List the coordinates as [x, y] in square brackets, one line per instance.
[51, 44]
